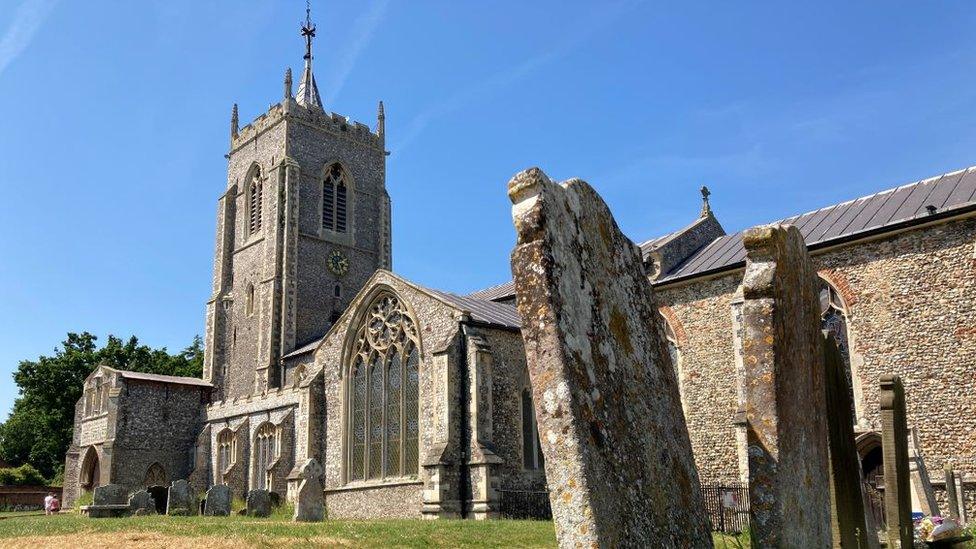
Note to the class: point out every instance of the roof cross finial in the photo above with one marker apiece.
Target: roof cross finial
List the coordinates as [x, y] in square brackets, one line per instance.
[308, 30]
[706, 208]
[308, 92]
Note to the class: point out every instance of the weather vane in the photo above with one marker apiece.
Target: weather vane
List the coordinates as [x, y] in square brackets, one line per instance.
[308, 29]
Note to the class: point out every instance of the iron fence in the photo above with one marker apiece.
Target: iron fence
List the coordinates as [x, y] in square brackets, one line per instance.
[525, 504]
[727, 506]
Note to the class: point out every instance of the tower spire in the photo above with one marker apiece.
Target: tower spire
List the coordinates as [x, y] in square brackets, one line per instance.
[308, 92]
[234, 125]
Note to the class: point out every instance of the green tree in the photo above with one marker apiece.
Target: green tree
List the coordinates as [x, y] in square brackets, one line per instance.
[39, 428]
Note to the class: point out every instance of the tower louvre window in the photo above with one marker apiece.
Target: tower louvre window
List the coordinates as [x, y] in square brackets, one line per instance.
[334, 200]
[255, 203]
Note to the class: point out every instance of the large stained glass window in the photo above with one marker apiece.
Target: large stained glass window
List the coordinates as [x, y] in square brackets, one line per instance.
[384, 387]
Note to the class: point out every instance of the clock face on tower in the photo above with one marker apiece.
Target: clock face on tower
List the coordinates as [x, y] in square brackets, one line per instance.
[338, 263]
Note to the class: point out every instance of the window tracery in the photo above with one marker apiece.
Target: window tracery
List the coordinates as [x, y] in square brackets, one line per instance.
[833, 320]
[226, 451]
[334, 189]
[266, 452]
[384, 389]
[255, 202]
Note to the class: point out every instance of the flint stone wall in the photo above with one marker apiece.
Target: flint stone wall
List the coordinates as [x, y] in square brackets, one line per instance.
[618, 457]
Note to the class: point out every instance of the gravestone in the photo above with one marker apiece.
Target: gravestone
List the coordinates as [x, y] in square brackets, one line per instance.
[618, 457]
[894, 444]
[310, 500]
[181, 500]
[847, 517]
[789, 486]
[951, 496]
[258, 503]
[218, 501]
[141, 503]
[159, 495]
[110, 494]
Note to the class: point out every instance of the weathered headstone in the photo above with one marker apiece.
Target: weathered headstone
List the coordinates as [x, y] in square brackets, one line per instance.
[310, 500]
[181, 500]
[142, 503]
[218, 501]
[618, 457]
[847, 516]
[110, 494]
[951, 496]
[894, 444]
[789, 488]
[258, 503]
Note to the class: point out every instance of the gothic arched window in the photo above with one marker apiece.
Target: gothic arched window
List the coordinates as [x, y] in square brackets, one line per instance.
[334, 191]
[155, 476]
[255, 203]
[833, 320]
[531, 449]
[383, 389]
[266, 449]
[226, 451]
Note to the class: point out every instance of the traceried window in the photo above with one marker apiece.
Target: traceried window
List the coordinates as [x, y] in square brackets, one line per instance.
[155, 476]
[255, 203]
[266, 448]
[226, 451]
[833, 320]
[384, 389]
[334, 191]
[531, 449]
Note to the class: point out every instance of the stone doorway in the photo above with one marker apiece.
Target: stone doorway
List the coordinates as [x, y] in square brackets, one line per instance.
[90, 470]
[160, 495]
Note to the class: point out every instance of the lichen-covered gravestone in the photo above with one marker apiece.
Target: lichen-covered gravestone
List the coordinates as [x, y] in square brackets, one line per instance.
[789, 491]
[894, 446]
[617, 453]
[258, 503]
[218, 501]
[847, 517]
[110, 494]
[142, 503]
[181, 499]
[310, 500]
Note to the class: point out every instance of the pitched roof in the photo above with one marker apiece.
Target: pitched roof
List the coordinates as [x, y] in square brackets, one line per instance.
[180, 380]
[502, 315]
[887, 210]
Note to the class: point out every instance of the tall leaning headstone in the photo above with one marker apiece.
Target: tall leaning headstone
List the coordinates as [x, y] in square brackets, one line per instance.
[789, 489]
[847, 517]
[894, 446]
[618, 457]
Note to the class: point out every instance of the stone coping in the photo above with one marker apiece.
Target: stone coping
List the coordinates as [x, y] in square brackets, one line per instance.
[376, 485]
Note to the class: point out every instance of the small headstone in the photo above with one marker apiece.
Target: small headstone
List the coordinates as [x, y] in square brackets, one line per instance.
[142, 503]
[111, 494]
[847, 518]
[951, 496]
[181, 500]
[789, 486]
[258, 503]
[618, 456]
[218, 501]
[310, 501]
[276, 499]
[894, 444]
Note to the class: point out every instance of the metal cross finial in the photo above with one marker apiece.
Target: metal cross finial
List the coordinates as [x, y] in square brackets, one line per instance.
[308, 29]
[706, 208]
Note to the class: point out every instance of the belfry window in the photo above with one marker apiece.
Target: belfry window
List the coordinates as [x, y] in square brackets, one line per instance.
[531, 449]
[334, 191]
[384, 388]
[266, 450]
[255, 203]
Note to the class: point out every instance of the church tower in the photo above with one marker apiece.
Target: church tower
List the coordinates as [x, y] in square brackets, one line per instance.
[304, 222]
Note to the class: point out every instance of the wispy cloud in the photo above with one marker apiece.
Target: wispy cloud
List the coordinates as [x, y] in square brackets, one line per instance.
[24, 24]
[509, 76]
[362, 32]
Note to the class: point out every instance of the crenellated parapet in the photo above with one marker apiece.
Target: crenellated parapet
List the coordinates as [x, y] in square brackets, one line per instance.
[333, 123]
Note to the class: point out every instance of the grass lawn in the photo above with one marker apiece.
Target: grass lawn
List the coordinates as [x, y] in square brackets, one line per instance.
[71, 530]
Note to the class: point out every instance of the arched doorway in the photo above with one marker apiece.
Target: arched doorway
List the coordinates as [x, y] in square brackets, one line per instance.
[90, 476]
[155, 476]
[872, 474]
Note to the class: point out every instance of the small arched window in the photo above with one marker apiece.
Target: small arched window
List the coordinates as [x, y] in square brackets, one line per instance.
[226, 451]
[384, 380]
[334, 191]
[531, 449]
[266, 450]
[249, 300]
[255, 203]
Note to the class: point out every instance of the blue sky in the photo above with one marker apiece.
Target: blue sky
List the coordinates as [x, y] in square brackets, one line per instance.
[114, 121]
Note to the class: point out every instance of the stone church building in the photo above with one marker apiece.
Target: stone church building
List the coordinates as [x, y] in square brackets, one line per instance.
[417, 401]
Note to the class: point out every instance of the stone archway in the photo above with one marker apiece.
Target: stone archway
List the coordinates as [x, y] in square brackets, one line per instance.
[155, 476]
[90, 477]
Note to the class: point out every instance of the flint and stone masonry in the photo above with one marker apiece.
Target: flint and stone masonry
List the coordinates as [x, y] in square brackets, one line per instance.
[618, 457]
[785, 405]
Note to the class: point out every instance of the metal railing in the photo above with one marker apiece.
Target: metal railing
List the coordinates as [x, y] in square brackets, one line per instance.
[525, 504]
[727, 506]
